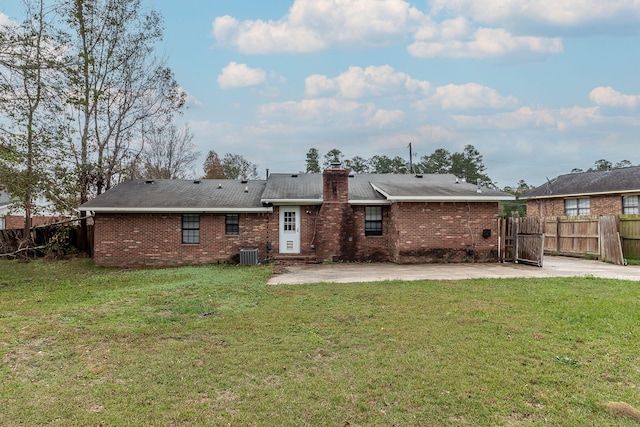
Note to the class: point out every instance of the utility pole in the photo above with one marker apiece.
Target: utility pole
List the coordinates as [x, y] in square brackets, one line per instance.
[410, 159]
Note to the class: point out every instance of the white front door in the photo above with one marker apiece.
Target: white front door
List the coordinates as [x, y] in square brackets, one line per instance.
[290, 229]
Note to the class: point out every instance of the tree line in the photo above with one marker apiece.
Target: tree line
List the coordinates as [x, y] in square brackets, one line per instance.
[467, 164]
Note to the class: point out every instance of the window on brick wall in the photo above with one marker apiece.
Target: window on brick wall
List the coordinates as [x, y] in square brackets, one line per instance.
[191, 228]
[373, 221]
[630, 205]
[232, 224]
[575, 207]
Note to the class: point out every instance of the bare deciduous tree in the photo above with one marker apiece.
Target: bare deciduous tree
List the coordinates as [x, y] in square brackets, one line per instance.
[118, 84]
[31, 128]
[169, 153]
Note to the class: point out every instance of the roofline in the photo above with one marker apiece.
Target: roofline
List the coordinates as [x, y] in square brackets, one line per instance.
[555, 196]
[442, 198]
[370, 202]
[292, 202]
[176, 210]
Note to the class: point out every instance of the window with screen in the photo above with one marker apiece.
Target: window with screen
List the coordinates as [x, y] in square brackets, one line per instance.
[373, 221]
[232, 224]
[575, 207]
[190, 228]
[630, 205]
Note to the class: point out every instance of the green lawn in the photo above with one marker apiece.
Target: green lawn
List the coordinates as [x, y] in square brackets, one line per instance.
[214, 345]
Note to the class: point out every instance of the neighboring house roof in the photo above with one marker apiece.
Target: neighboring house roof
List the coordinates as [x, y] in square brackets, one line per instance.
[169, 195]
[623, 180]
[281, 189]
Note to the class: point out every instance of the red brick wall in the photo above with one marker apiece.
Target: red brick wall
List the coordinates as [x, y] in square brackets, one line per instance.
[599, 205]
[373, 248]
[17, 222]
[445, 232]
[156, 239]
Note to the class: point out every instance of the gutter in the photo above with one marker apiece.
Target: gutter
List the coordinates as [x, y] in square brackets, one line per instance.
[292, 202]
[177, 210]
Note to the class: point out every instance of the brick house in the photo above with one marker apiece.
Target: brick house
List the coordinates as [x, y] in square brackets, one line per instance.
[612, 192]
[14, 220]
[333, 216]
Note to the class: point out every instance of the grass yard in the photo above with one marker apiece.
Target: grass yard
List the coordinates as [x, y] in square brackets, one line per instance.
[214, 345]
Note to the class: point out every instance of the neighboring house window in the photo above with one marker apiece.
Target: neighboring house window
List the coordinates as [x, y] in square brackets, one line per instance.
[373, 221]
[191, 228]
[575, 207]
[630, 204]
[2, 223]
[232, 224]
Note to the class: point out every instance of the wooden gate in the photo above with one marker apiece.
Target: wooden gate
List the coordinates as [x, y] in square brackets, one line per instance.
[610, 244]
[522, 240]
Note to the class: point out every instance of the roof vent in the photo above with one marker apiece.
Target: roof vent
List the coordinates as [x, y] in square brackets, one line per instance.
[457, 180]
[149, 181]
[351, 175]
[244, 181]
[246, 189]
[219, 185]
[294, 175]
[419, 175]
[336, 165]
[196, 181]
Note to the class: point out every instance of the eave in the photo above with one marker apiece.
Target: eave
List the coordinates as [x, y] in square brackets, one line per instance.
[292, 202]
[597, 193]
[266, 209]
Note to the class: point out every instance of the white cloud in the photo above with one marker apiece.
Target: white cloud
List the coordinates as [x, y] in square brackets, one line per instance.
[338, 113]
[386, 118]
[357, 82]
[467, 96]
[609, 97]
[240, 75]
[438, 134]
[319, 111]
[547, 13]
[527, 118]
[5, 21]
[312, 25]
[457, 39]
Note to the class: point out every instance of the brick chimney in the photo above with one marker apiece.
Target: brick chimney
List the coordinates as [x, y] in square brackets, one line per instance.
[335, 215]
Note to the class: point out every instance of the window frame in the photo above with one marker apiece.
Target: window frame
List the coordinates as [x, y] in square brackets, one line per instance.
[582, 206]
[190, 229]
[373, 221]
[633, 206]
[232, 224]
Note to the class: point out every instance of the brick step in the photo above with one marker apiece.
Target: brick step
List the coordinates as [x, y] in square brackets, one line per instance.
[294, 258]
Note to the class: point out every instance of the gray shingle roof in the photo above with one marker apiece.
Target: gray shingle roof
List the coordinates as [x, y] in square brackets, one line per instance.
[206, 196]
[614, 181]
[167, 195]
[441, 187]
[304, 186]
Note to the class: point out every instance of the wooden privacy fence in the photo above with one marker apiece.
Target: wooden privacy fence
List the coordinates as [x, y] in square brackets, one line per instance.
[522, 240]
[610, 238]
[630, 235]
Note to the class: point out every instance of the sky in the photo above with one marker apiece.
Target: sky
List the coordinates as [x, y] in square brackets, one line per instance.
[537, 87]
